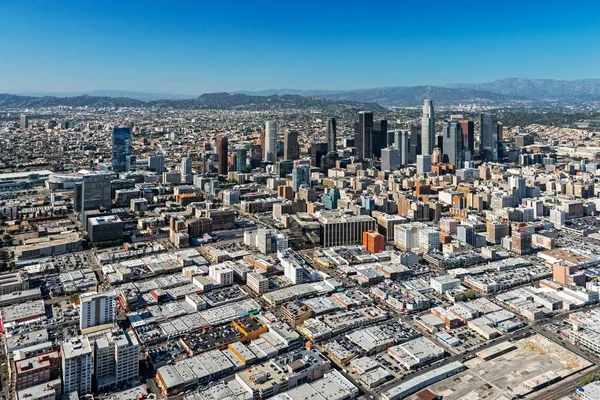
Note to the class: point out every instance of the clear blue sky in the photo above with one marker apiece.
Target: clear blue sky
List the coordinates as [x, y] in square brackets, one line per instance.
[193, 47]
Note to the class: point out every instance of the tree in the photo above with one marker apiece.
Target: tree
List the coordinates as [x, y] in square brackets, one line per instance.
[74, 298]
[7, 239]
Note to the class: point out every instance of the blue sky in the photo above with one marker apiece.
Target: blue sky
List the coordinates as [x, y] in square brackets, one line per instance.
[193, 47]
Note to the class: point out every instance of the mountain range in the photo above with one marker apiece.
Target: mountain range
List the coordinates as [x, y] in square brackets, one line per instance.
[500, 92]
[222, 101]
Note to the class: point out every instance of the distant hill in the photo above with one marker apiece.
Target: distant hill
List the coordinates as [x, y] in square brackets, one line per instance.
[205, 101]
[582, 89]
[144, 96]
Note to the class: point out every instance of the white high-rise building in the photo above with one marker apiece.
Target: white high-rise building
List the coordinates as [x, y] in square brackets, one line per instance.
[116, 359]
[271, 141]
[186, 170]
[401, 144]
[77, 365]
[97, 309]
[428, 128]
[221, 273]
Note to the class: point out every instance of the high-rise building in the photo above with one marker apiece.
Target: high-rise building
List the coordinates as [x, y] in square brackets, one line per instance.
[363, 135]
[423, 163]
[488, 126]
[156, 164]
[452, 138]
[270, 148]
[97, 309]
[121, 148]
[466, 234]
[300, 176]
[186, 170]
[331, 135]
[380, 137]
[131, 163]
[24, 121]
[390, 159]
[428, 128]
[496, 230]
[414, 146]
[317, 151]
[467, 128]
[77, 365]
[521, 241]
[518, 186]
[93, 193]
[116, 359]
[330, 198]
[291, 148]
[222, 150]
[240, 160]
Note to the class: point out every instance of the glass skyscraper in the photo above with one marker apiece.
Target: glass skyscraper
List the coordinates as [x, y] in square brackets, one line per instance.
[121, 148]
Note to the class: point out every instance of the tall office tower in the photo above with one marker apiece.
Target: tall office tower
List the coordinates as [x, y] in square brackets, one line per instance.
[121, 148]
[488, 126]
[317, 150]
[156, 164]
[467, 128]
[452, 138]
[380, 137]
[186, 170]
[116, 359]
[291, 148]
[390, 159]
[222, 150]
[423, 163]
[363, 135]
[331, 134]
[428, 128]
[401, 144]
[77, 365]
[24, 121]
[240, 160]
[270, 141]
[93, 193]
[263, 145]
[97, 309]
[414, 144]
[300, 176]
[256, 156]
[500, 138]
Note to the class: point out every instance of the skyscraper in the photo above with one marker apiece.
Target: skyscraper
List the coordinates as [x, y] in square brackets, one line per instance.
[24, 121]
[317, 150]
[121, 148]
[401, 144]
[93, 193]
[428, 128]
[186, 170]
[363, 135]
[380, 137]
[414, 144]
[270, 148]
[240, 160]
[331, 134]
[488, 126]
[452, 138]
[291, 148]
[222, 150]
[468, 131]
[300, 176]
